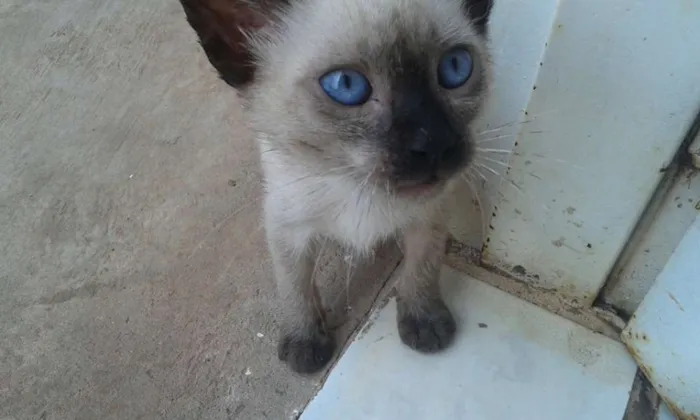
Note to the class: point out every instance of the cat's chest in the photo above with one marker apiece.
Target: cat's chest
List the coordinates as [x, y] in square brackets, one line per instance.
[362, 222]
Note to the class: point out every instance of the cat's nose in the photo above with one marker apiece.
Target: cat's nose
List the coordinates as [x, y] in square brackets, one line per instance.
[431, 152]
[430, 145]
[424, 149]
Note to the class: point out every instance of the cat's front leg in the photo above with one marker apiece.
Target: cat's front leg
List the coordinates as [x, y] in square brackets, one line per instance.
[424, 321]
[304, 345]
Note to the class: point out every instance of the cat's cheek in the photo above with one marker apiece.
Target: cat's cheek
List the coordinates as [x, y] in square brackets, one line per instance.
[365, 158]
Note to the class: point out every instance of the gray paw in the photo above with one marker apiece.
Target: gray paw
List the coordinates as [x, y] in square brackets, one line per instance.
[428, 330]
[306, 353]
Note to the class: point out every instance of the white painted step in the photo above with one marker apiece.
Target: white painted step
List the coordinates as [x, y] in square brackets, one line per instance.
[511, 360]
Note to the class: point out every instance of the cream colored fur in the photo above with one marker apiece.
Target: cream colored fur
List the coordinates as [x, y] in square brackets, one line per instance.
[330, 195]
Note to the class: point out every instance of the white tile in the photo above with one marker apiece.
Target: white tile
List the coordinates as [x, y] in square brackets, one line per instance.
[663, 333]
[554, 219]
[522, 363]
[664, 413]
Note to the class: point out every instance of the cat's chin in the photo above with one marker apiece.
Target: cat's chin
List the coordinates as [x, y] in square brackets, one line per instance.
[421, 190]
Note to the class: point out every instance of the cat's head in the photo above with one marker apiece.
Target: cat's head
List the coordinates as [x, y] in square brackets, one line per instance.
[380, 90]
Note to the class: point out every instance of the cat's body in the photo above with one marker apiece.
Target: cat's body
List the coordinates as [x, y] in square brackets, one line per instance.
[361, 109]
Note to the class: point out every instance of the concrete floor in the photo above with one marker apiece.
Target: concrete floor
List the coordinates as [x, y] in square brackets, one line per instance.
[134, 280]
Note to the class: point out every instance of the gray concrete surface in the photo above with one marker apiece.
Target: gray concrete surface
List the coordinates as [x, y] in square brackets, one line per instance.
[134, 280]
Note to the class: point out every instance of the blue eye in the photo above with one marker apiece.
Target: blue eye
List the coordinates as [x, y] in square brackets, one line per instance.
[347, 87]
[455, 68]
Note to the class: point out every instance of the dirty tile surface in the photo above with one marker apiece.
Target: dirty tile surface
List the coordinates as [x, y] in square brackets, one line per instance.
[510, 360]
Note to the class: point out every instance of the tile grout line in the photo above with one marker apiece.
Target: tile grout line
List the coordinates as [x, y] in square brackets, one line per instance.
[380, 301]
[466, 259]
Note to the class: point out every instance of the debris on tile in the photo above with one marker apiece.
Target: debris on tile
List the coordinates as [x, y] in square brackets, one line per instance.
[260, 335]
[247, 372]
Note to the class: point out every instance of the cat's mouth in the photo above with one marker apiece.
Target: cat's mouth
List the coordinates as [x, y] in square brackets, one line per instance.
[420, 188]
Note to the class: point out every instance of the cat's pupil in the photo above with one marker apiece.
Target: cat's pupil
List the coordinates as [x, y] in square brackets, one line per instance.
[347, 87]
[346, 81]
[455, 63]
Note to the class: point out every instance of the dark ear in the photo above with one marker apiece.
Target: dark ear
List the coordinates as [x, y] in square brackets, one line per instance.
[478, 11]
[221, 26]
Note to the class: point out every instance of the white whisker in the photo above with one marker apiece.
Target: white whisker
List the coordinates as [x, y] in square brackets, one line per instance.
[489, 139]
[502, 126]
[498, 162]
[474, 190]
[488, 168]
[502, 151]
[315, 297]
[530, 118]
[514, 185]
[498, 174]
[348, 277]
[481, 175]
[543, 158]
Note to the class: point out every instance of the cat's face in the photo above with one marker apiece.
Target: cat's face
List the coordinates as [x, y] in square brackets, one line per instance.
[383, 91]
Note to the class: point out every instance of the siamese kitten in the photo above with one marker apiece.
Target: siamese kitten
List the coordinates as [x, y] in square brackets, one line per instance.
[362, 111]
